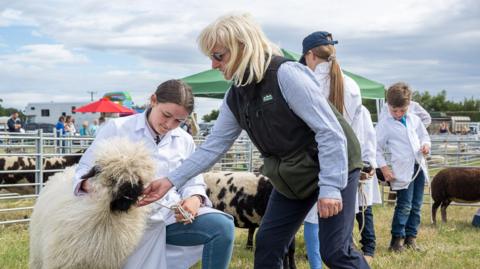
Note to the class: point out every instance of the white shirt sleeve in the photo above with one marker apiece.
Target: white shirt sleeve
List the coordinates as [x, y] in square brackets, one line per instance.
[381, 144]
[418, 110]
[369, 143]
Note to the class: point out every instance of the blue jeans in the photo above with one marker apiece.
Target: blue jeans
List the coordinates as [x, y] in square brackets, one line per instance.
[213, 230]
[406, 217]
[310, 234]
[368, 232]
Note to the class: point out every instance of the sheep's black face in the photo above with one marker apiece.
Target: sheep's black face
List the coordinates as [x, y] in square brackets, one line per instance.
[126, 196]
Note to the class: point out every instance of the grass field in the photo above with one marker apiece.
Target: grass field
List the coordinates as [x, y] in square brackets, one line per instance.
[455, 244]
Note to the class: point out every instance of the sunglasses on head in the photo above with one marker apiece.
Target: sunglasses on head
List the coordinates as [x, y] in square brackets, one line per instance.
[218, 56]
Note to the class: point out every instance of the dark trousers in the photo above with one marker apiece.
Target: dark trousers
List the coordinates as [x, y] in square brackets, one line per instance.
[284, 216]
[368, 239]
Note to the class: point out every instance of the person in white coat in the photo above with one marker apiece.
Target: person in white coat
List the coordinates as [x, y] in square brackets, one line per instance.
[413, 108]
[406, 138]
[344, 93]
[158, 128]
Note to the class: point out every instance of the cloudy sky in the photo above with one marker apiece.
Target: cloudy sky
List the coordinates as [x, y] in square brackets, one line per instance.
[58, 50]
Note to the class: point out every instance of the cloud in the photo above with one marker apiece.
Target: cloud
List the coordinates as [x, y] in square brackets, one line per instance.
[42, 56]
[14, 17]
[432, 45]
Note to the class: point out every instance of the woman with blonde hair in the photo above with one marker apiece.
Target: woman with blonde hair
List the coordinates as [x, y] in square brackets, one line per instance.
[279, 104]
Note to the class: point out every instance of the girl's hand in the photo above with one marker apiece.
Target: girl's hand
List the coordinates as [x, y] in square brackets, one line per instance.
[191, 205]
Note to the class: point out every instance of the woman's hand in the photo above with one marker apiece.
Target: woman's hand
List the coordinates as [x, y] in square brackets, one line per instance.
[387, 174]
[329, 207]
[155, 191]
[191, 205]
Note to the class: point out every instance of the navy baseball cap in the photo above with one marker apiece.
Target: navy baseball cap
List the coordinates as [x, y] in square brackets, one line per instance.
[315, 39]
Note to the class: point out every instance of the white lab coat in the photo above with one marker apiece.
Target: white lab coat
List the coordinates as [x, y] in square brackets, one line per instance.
[363, 127]
[413, 108]
[358, 117]
[405, 144]
[174, 147]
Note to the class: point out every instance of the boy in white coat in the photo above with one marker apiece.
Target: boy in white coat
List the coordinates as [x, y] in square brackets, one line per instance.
[404, 135]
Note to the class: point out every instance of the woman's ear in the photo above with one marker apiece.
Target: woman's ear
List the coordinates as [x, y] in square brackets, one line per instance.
[153, 100]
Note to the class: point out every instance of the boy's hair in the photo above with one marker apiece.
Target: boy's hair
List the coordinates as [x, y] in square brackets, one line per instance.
[399, 95]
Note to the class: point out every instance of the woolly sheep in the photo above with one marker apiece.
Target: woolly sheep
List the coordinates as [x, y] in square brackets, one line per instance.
[454, 184]
[100, 229]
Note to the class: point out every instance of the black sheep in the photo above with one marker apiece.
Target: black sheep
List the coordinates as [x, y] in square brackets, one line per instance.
[457, 184]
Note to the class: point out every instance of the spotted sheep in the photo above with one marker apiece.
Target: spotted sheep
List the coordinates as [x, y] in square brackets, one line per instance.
[244, 195]
[19, 163]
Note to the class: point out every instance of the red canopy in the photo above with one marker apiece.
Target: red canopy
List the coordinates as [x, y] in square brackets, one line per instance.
[104, 105]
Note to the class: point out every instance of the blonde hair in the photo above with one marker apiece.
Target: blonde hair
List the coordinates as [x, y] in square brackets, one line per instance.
[336, 96]
[250, 50]
[399, 95]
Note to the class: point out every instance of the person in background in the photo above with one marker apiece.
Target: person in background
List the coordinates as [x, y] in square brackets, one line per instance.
[405, 136]
[167, 233]
[443, 128]
[476, 219]
[281, 107]
[14, 123]
[60, 126]
[94, 127]
[85, 130]
[69, 126]
[101, 121]
[413, 108]
[319, 54]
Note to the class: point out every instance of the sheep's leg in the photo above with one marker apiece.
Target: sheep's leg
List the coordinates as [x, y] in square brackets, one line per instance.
[434, 211]
[251, 231]
[445, 204]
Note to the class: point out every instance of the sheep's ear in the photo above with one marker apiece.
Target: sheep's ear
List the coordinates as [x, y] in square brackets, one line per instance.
[93, 172]
[126, 196]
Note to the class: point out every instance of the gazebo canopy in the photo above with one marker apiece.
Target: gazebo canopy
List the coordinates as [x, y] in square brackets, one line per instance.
[210, 83]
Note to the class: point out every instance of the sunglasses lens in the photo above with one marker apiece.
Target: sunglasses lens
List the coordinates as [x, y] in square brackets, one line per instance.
[217, 56]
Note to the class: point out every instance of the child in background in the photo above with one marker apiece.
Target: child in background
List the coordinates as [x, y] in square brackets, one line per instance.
[404, 135]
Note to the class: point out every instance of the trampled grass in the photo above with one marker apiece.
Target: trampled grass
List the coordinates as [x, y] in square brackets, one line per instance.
[455, 244]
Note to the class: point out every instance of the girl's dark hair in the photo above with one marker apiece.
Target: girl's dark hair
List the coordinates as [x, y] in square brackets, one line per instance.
[177, 92]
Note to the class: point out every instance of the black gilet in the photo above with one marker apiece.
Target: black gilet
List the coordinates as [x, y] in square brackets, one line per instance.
[263, 113]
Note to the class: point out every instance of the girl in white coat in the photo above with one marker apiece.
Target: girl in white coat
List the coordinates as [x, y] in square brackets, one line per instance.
[344, 93]
[158, 128]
